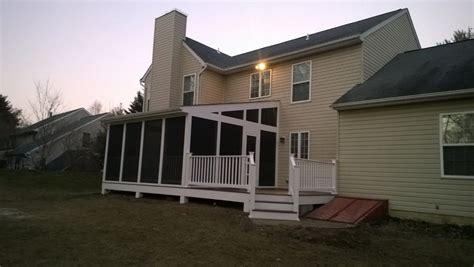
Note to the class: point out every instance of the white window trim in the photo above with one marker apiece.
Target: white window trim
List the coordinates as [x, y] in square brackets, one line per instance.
[442, 145]
[298, 152]
[260, 85]
[193, 89]
[310, 83]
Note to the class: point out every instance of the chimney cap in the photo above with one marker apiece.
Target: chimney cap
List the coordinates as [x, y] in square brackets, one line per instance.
[173, 10]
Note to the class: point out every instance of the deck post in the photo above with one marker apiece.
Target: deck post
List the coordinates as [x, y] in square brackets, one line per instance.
[186, 169]
[334, 176]
[183, 199]
[138, 195]
[252, 182]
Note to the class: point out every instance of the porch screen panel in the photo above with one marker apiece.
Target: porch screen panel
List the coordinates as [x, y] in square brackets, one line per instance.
[269, 116]
[203, 136]
[151, 151]
[173, 151]
[114, 153]
[267, 158]
[231, 139]
[132, 151]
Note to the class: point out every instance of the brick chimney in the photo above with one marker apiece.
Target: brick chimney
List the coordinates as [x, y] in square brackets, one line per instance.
[170, 31]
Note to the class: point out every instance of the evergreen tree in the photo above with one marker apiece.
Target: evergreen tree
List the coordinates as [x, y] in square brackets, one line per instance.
[137, 104]
[10, 118]
[459, 35]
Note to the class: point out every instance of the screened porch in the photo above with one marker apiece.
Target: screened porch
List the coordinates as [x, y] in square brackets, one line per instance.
[194, 146]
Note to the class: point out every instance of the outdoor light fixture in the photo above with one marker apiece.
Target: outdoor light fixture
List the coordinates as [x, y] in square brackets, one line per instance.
[260, 66]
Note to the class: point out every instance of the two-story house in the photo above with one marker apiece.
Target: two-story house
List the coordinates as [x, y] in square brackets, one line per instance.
[255, 128]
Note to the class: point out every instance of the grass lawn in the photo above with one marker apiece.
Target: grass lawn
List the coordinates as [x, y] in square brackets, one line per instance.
[61, 219]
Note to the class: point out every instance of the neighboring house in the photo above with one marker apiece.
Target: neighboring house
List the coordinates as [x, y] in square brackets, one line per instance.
[255, 128]
[407, 135]
[52, 141]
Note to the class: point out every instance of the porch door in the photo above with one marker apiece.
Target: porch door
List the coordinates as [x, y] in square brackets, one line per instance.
[267, 159]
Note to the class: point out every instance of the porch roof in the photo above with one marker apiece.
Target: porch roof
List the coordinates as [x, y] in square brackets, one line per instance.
[181, 111]
[144, 115]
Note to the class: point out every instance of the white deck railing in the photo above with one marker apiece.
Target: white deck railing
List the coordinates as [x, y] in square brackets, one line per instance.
[218, 171]
[317, 175]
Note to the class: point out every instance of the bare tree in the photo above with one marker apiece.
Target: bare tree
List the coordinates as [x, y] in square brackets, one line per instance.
[47, 100]
[96, 107]
[116, 111]
[46, 103]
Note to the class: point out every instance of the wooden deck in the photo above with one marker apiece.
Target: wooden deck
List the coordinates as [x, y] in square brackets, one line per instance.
[224, 194]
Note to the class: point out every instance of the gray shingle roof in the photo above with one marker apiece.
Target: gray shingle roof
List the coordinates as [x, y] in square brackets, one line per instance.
[222, 60]
[44, 122]
[438, 69]
[68, 128]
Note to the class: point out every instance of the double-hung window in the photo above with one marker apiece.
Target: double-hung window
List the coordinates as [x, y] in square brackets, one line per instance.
[301, 82]
[299, 144]
[260, 84]
[457, 144]
[189, 86]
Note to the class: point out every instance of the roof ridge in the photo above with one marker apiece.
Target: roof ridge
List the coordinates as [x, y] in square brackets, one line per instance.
[319, 32]
[437, 46]
[220, 52]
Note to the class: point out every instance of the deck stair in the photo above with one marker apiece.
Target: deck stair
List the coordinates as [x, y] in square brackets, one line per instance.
[350, 210]
[276, 205]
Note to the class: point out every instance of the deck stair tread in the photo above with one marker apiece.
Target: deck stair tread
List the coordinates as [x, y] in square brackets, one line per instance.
[273, 202]
[276, 211]
[350, 210]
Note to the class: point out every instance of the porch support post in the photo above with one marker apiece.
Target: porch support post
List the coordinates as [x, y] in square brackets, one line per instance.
[186, 150]
[140, 157]
[162, 145]
[106, 154]
[138, 195]
[124, 135]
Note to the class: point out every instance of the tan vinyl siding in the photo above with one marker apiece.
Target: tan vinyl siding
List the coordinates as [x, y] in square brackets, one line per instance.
[333, 73]
[384, 44]
[394, 153]
[190, 65]
[212, 87]
[170, 30]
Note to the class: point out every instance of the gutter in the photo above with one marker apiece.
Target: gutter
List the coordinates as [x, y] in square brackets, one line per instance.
[139, 116]
[399, 100]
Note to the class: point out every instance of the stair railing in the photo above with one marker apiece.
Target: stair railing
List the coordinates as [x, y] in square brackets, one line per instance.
[252, 185]
[294, 183]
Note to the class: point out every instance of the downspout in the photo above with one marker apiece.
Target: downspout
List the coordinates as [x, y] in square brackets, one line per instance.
[145, 102]
[199, 83]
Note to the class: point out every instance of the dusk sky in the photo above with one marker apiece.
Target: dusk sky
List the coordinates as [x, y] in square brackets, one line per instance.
[99, 49]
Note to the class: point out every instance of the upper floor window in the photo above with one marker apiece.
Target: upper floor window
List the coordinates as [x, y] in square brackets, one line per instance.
[299, 144]
[260, 84]
[301, 82]
[457, 144]
[189, 86]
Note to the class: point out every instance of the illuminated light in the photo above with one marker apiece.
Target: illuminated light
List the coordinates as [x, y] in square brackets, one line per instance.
[260, 66]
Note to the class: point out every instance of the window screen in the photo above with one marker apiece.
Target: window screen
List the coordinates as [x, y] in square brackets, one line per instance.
[151, 151]
[132, 151]
[114, 152]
